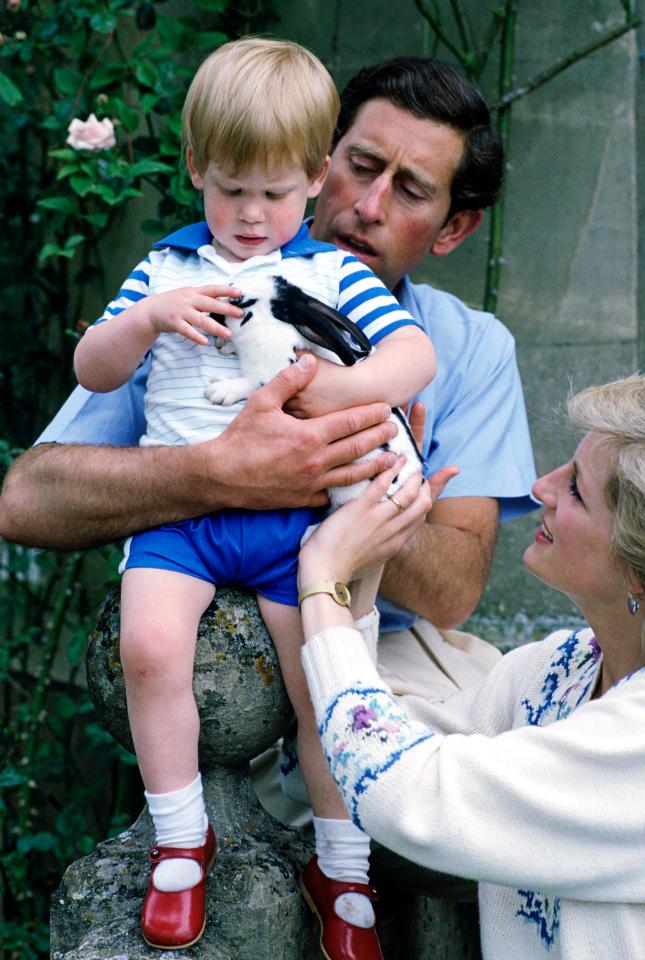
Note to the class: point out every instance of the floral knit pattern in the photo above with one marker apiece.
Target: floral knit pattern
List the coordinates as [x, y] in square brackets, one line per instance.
[369, 735]
[569, 682]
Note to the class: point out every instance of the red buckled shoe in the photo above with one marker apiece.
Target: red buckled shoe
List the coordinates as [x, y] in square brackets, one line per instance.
[339, 940]
[177, 919]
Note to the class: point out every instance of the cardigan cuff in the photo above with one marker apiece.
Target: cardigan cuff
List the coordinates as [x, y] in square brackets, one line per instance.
[334, 659]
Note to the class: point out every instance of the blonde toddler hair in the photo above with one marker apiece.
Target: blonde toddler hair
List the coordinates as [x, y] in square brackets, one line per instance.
[260, 101]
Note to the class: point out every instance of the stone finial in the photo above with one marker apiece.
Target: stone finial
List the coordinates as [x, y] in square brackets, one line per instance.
[242, 702]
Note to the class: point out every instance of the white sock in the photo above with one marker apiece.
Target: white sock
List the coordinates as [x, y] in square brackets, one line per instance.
[343, 854]
[180, 821]
[368, 626]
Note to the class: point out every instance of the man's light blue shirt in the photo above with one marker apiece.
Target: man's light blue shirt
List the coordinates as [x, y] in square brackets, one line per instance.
[475, 414]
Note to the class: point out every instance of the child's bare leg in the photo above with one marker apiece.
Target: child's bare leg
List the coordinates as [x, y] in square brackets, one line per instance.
[342, 849]
[283, 623]
[160, 612]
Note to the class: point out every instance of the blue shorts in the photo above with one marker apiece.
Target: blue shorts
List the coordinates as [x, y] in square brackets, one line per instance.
[250, 548]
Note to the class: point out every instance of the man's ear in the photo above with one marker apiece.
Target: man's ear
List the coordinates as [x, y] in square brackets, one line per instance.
[195, 176]
[460, 226]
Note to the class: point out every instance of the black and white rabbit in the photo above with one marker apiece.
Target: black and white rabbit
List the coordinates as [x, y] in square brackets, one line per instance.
[280, 319]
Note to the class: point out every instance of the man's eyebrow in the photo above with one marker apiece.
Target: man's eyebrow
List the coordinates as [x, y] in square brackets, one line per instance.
[426, 184]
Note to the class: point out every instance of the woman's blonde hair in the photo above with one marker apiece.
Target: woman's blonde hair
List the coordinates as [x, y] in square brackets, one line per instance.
[616, 413]
[260, 101]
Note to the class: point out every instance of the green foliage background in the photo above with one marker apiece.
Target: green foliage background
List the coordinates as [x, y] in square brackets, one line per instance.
[64, 783]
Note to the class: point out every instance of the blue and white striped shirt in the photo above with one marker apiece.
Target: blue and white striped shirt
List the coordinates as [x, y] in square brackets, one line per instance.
[175, 407]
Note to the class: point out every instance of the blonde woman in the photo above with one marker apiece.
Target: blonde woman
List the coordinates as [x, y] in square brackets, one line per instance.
[531, 783]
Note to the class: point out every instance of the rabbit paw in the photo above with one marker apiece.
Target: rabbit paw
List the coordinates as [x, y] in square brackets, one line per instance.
[225, 393]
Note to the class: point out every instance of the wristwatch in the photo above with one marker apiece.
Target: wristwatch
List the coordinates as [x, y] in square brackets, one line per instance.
[337, 590]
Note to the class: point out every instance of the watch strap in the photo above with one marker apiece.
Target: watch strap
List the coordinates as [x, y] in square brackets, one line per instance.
[335, 589]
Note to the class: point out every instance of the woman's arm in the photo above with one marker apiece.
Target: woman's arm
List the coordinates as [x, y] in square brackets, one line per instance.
[555, 809]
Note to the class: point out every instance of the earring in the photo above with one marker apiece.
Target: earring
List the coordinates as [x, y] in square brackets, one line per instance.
[633, 604]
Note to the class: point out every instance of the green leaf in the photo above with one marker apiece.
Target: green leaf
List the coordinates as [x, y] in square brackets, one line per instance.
[97, 219]
[62, 204]
[67, 81]
[65, 153]
[9, 92]
[107, 73]
[74, 240]
[54, 250]
[143, 167]
[81, 185]
[66, 170]
[104, 192]
[149, 101]
[145, 74]
[130, 118]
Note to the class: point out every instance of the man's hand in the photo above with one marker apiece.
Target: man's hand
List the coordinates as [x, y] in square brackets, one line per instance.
[275, 460]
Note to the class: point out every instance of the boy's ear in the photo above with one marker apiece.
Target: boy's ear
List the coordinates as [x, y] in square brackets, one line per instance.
[316, 184]
[460, 226]
[195, 176]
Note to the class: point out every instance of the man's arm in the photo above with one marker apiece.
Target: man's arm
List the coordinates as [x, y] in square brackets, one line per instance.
[67, 497]
[441, 574]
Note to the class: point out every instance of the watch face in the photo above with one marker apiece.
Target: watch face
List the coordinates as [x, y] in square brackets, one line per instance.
[342, 594]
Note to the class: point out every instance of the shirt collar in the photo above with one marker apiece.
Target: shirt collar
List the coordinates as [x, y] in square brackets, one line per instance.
[197, 234]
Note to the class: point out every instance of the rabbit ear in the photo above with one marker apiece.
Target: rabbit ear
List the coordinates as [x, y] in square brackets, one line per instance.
[319, 323]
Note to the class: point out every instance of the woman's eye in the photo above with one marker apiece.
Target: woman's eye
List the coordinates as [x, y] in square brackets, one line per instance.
[573, 487]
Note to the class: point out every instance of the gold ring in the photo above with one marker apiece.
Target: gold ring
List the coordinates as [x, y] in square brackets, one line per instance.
[399, 506]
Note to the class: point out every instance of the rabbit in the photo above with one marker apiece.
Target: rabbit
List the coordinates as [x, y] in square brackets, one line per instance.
[280, 319]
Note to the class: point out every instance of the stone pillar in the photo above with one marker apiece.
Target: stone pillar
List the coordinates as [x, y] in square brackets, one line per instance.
[254, 907]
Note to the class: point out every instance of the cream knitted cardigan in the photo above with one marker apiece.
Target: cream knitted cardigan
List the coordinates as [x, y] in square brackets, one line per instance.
[522, 783]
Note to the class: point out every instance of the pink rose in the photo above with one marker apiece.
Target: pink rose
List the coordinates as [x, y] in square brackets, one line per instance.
[91, 134]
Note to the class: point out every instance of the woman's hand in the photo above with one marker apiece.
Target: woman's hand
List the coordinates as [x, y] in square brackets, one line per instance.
[369, 530]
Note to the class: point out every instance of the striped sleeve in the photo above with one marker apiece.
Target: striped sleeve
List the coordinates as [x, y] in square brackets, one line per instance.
[365, 300]
[134, 288]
